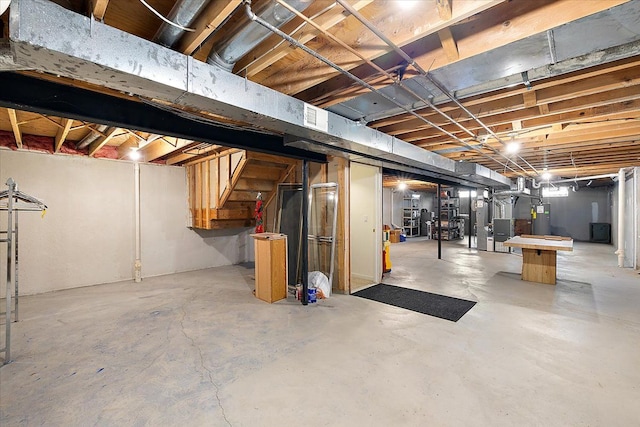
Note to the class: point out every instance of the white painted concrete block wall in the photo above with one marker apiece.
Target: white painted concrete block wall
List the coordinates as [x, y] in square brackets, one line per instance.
[87, 235]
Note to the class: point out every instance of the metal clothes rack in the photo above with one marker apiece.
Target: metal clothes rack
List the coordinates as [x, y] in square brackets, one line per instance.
[14, 201]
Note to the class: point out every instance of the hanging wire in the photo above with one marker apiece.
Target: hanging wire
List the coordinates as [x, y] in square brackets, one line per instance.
[155, 12]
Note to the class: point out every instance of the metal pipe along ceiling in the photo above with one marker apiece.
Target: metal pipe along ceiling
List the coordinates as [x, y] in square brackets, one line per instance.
[166, 75]
[254, 17]
[246, 35]
[183, 13]
[423, 72]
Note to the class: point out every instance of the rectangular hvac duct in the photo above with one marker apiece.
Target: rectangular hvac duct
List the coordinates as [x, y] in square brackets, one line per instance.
[87, 50]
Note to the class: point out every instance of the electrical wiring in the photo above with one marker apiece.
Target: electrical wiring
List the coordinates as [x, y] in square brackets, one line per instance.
[159, 15]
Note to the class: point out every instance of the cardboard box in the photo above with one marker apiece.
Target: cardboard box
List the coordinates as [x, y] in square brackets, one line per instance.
[394, 236]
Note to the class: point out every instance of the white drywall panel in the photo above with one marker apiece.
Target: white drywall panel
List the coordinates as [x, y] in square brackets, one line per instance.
[86, 236]
[168, 246]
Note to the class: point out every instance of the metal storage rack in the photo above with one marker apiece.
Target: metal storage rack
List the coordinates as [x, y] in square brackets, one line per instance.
[411, 216]
[13, 201]
[450, 220]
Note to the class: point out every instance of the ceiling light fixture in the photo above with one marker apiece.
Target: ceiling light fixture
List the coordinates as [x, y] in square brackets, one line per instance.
[546, 176]
[513, 147]
[402, 186]
[407, 4]
[134, 154]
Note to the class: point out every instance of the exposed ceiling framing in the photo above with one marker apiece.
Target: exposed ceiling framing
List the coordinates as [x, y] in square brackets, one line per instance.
[572, 105]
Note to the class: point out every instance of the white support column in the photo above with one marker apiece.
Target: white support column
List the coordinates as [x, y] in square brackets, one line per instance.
[137, 266]
[621, 217]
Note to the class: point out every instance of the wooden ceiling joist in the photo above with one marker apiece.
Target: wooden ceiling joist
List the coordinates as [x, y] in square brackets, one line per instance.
[102, 140]
[17, 133]
[215, 14]
[416, 24]
[99, 8]
[444, 9]
[273, 49]
[61, 135]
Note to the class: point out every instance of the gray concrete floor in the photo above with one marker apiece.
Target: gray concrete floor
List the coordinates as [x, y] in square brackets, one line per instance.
[198, 349]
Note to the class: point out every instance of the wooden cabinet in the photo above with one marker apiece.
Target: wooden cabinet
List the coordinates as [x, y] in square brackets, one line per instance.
[271, 266]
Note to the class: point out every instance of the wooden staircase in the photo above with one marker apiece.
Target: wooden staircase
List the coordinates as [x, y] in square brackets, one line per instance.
[223, 187]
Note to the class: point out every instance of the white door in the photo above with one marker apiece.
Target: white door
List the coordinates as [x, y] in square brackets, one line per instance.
[365, 225]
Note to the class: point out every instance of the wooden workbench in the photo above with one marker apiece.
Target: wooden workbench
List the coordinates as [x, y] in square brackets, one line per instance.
[539, 255]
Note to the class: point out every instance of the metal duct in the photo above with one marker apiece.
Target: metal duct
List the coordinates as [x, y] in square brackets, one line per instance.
[96, 53]
[6, 58]
[183, 13]
[91, 136]
[246, 35]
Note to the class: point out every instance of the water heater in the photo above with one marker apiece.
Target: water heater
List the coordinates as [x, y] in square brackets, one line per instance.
[540, 219]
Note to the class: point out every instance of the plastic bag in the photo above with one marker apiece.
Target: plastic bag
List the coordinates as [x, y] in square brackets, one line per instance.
[318, 280]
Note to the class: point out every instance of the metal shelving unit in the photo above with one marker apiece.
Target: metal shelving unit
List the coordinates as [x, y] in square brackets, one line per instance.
[450, 220]
[411, 216]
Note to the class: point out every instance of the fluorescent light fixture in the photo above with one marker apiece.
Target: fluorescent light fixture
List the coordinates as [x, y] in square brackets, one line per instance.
[465, 193]
[555, 192]
[415, 196]
[402, 186]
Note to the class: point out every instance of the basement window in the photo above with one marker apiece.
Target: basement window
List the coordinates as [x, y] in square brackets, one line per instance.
[555, 192]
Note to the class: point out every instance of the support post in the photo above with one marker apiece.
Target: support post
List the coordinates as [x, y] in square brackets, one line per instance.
[439, 221]
[7, 348]
[621, 201]
[137, 265]
[470, 221]
[305, 232]
[15, 270]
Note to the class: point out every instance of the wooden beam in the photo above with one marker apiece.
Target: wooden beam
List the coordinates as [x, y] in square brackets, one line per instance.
[547, 90]
[162, 147]
[209, 20]
[418, 24]
[273, 49]
[100, 142]
[530, 99]
[444, 9]
[124, 149]
[62, 133]
[475, 36]
[17, 134]
[449, 44]
[98, 8]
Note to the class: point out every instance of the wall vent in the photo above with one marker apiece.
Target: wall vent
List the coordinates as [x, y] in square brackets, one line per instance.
[316, 118]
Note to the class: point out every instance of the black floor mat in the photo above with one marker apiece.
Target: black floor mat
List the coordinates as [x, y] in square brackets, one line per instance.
[441, 306]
